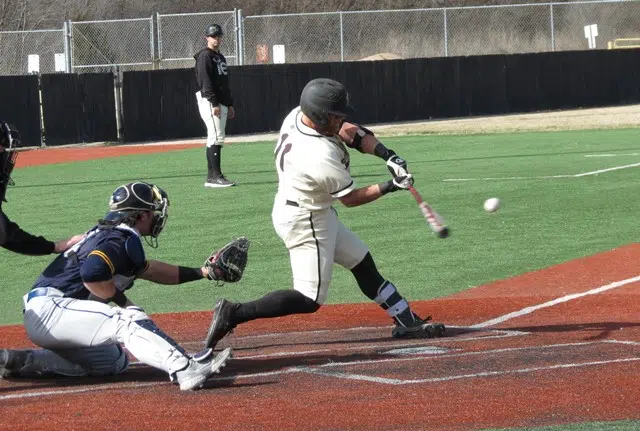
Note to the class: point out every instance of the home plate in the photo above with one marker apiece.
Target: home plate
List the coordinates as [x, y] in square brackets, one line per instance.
[422, 350]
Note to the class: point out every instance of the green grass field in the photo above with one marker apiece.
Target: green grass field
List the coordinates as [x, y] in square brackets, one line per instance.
[543, 221]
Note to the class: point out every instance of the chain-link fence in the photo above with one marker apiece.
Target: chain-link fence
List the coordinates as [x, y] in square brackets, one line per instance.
[98, 46]
[460, 31]
[17, 46]
[171, 40]
[180, 36]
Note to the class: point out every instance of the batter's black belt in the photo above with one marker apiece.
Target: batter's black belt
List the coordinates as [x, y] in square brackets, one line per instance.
[291, 203]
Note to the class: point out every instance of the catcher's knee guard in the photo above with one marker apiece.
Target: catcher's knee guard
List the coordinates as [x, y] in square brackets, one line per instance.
[105, 362]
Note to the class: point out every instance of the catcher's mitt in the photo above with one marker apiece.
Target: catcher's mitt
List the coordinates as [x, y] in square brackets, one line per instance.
[228, 263]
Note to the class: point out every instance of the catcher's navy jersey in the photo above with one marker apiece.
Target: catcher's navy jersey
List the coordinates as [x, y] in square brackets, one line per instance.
[105, 253]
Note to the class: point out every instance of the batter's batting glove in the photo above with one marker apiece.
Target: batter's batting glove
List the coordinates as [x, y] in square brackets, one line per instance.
[403, 182]
[397, 166]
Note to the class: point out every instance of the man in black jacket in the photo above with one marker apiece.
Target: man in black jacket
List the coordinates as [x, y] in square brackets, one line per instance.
[11, 236]
[214, 102]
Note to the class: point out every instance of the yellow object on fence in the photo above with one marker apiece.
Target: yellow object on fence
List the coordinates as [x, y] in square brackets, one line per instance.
[624, 43]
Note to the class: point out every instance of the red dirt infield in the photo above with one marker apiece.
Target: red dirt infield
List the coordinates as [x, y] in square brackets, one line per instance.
[340, 369]
[555, 346]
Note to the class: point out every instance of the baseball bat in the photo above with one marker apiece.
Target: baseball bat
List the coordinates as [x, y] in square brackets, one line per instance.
[434, 220]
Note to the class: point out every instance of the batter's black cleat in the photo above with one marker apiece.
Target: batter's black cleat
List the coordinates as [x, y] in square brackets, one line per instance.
[199, 370]
[221, 324]
[12, 361]
[218, 182]
[415, 327]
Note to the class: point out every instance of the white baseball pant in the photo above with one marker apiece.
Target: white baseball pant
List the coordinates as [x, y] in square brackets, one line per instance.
[315, 240]
[216, 126]
[83, 337]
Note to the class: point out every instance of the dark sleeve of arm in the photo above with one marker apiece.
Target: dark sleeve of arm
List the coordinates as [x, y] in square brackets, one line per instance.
[15, 239]
[206, 74]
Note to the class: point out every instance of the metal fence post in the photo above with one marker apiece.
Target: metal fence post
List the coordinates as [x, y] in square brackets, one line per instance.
[152, 44]
[159, 33]
[240, 38]
[341, 38]
[553, 35]
[236, 30]
[69, 38]
[446, 35]
[117, 91]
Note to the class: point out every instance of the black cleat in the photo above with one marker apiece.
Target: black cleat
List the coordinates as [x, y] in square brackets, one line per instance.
[419, 328]
[219, 182]
[221, 324]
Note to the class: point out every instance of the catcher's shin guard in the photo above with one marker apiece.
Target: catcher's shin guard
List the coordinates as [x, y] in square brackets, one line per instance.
[221, 324]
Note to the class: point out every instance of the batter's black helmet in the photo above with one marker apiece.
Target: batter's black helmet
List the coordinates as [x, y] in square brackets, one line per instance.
[129, 200]
[214, 30]
[323, 96]
[9, 140]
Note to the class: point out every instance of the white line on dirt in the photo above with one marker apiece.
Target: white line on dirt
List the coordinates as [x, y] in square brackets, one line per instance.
[290, 370]
[545, 177]
[92, 388]
[383, 380]
[284, 335]
[566, 298]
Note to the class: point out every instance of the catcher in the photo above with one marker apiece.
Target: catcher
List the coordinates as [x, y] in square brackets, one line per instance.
[67, 312]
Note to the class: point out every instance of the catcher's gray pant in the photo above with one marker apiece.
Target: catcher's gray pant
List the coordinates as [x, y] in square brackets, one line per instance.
[216, 126]
[316, 239]
[83, 337]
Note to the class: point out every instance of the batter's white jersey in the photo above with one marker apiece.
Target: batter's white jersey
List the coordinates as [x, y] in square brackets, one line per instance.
[313, 171]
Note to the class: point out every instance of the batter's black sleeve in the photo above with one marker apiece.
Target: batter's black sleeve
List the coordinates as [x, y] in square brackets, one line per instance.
[17, 240]
[204, 67]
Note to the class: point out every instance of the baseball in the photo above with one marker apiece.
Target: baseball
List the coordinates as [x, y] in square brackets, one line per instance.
[491, 205]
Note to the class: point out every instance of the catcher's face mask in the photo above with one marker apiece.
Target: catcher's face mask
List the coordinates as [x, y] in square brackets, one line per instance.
[160, 213]
[9, 140]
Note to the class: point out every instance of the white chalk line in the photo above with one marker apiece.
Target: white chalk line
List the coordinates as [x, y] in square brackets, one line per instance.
[284, 335]
[387, 381]
[499, 334]
[318, 369]
[545, 177]
[560, 300]
[612, 155]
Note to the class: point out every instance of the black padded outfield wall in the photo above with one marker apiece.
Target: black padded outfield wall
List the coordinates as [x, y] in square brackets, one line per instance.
[20, 105]
[78, 108]
[161, 104]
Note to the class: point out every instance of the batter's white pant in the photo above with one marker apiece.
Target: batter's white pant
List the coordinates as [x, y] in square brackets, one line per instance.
[82, 337]
[315, 240]
[216, 126]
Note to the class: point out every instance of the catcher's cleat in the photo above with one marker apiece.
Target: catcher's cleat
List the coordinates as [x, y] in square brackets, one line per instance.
[219, 181]
[198, 371]
[221, 324]
[12, 361]
[418, 328]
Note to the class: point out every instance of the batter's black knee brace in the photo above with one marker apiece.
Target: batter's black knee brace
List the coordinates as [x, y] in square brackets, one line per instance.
[368, 278]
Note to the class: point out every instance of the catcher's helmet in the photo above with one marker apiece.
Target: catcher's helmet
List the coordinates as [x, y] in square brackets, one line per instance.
[130, 200]
[214, 30]
[323, 96]
[9, 140]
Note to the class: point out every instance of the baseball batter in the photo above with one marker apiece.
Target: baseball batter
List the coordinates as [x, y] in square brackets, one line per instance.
[215, 102]
[312, 162]
[66, 312]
